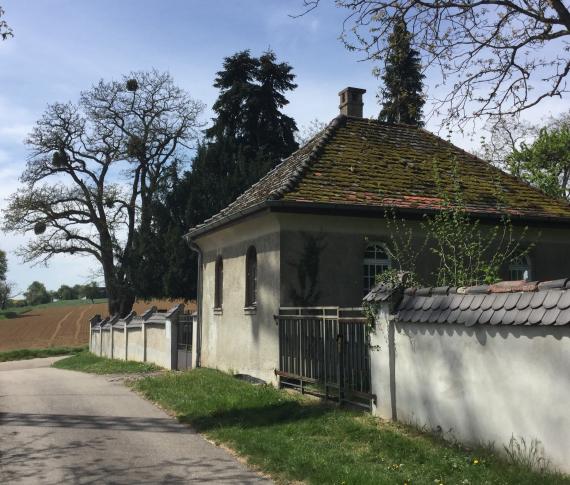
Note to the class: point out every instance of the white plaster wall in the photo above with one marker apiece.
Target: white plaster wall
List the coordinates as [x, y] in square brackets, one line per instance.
[135, 346]
[94, 342]
[119, 343]
[481, 384]
[236, 341]
[157, 346]
[106, 342]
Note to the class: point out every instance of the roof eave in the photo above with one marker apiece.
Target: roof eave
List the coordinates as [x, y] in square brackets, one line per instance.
[356, 209]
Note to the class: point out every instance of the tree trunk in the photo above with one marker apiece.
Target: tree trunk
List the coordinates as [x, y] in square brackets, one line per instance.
[121, 299]
[120, 296]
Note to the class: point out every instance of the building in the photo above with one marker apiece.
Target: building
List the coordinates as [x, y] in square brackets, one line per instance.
[312, 232]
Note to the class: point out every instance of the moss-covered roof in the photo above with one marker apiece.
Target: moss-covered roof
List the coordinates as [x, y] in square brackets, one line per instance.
[358, 162]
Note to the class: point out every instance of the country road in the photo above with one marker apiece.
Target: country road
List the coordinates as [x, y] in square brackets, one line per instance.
[60, 426]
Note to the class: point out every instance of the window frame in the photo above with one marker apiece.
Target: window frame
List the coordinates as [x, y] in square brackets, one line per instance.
[219, 283]
[525, 265]
[251, 277]
[375, 262]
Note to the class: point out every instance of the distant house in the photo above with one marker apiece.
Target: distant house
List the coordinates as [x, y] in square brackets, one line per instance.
[312, 232]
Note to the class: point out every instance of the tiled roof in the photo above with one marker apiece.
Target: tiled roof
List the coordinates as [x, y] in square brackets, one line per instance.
[357, 162]
[506, 303]
[151, 315]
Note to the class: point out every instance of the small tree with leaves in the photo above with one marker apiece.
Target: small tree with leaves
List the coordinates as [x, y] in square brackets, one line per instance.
[37, 294]
[467, 252]
[402, 94]
[545, 163]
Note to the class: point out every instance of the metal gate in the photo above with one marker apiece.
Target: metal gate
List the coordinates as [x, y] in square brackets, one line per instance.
[325, 351]
[184, 341]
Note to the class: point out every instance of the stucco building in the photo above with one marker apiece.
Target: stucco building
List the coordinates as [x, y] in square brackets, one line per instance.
[312, 232]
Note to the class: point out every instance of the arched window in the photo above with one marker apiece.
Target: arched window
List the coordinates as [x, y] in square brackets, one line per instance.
[519, 269]
[251, 277]
[376, 260]
[219, 283]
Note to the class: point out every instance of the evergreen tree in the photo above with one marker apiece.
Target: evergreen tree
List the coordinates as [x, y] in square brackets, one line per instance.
[402, 99]
[249, 135]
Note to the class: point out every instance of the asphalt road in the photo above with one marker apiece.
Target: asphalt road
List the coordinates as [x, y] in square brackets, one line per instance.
[60, 426]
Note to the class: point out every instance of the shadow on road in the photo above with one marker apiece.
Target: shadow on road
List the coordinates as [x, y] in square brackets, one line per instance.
[38, 459]
[119, 423]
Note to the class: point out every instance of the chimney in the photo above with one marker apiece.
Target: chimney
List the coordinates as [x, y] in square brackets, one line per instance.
[351, 102]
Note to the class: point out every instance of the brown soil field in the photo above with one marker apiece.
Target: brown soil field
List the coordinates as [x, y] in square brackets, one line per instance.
[60, 325]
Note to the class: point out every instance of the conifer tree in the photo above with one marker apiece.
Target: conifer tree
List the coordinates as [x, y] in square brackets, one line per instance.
[249, 135]
[401, 95]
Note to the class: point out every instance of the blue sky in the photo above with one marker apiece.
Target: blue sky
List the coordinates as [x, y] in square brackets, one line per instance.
[63, 46]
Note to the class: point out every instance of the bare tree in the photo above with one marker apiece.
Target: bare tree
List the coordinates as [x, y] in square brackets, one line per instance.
[5, 30]
[496, 57]
[94, 169]
[504, 137]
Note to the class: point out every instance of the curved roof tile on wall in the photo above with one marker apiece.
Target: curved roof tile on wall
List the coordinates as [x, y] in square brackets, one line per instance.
[506, 303]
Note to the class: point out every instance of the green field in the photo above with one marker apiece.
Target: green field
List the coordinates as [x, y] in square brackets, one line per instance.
[5, 314]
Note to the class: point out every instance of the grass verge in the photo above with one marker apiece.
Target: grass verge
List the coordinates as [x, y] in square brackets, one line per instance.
[23, 354]
[294, 438]
[87, 362]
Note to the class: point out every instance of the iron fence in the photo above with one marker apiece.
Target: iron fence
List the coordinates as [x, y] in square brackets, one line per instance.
[184, 341]
[325, 351]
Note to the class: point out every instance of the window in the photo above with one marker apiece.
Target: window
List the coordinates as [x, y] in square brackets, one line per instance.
[219, 283]
[519, 269]
[251, 277]
[376, 260]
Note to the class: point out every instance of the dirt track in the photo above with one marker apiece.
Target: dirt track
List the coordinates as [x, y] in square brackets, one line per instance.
[57, 326]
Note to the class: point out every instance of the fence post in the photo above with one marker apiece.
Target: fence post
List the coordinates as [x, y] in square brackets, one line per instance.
[339, 348]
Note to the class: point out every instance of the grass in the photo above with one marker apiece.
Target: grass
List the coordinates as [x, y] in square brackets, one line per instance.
[23, 354]
[12, 312]
[87, 362]
[294, 438]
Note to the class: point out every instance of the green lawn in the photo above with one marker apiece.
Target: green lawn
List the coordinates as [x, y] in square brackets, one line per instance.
[25, 309]
[296, 438]
[88, 362]
[22, 354]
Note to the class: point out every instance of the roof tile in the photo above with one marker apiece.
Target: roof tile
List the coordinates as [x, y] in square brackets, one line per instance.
[512, 301]
[466, 302]
[522, 316]
[497, 316]
[476, 302]
[394, 168]
[563, 317]
[550, 316]
[488, 301]
[524, 301]
[551, 299]
[537, 299]
[500, 301]
[536, 315]
[564, 301]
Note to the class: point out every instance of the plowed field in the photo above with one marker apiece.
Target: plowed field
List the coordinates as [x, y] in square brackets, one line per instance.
[58, 325]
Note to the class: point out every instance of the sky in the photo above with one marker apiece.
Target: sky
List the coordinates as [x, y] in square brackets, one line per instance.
[61, 47]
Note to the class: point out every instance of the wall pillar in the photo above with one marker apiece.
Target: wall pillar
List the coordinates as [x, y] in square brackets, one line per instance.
[382, 364]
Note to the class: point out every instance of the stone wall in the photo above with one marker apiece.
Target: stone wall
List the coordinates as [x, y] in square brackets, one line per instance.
[150, 337]
[441, 368]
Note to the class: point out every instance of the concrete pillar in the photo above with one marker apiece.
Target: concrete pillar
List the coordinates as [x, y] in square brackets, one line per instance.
[382, 364]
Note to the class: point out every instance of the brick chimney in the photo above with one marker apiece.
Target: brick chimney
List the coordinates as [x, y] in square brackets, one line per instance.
[351, 102]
